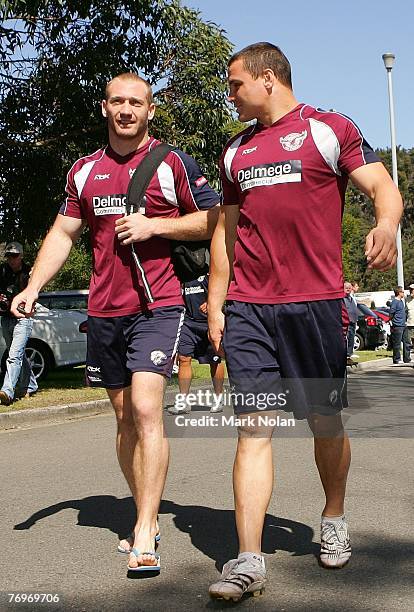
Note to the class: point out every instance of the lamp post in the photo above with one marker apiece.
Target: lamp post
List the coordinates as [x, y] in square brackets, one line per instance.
[388, 59]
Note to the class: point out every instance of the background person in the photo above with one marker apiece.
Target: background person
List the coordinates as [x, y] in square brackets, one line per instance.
[194, 343]
[19, 380]
[399, 331]
[410, 315]
[135, 312]
[276, 259]
[355, 287]
[352, 309]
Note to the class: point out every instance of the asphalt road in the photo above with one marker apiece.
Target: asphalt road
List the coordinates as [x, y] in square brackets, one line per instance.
[64, 503]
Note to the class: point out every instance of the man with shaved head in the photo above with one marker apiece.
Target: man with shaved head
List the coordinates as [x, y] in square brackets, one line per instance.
[135, 309]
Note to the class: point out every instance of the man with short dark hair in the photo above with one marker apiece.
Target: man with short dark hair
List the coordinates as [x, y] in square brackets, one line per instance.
[276, 259]
[135, 304]
[399, 331]
[19, 380]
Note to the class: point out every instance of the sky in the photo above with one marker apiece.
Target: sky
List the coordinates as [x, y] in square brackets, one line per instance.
[335, 50]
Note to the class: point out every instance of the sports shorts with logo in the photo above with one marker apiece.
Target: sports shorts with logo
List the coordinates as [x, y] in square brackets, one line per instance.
[143, 342]
[194, 342]
[289, 357]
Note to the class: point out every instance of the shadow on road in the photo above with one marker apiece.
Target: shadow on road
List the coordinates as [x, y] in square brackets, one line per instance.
[211, 530]
[379, 568]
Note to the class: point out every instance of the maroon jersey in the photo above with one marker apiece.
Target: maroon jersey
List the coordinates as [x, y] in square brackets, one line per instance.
[96, 186]
[289, 180]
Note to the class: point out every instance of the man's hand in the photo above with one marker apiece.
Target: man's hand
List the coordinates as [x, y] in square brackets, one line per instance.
[381, 249]
[26, 298]
[134, 228]
[215, 331]
[203, 308]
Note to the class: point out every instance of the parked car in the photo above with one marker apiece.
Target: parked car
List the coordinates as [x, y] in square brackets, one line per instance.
[70, 299]
[55, 341]
[384, 314]
[370, 332]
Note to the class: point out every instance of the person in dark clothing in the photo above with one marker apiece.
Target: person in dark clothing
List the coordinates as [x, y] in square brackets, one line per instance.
[399, 332]
[194, 343]
[19, 379]
[352, 309]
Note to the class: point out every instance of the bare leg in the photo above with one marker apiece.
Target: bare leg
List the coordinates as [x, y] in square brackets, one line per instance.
[253, 485]
[150, 459]
[185, 373]
[333, 458]
[126, 440]
[126, 435]
[217, 376]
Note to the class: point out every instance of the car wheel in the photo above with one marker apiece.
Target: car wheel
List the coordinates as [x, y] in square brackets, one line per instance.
[40, 358]
[358, 342]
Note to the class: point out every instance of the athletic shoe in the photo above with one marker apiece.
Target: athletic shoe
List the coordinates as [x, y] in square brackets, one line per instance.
[397, 362]
[335, 543]
[5, 399]
[217, 407]
[179, 409]
[246, 574]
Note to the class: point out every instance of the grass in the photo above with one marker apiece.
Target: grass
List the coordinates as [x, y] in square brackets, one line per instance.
[372, 355]
[67, 386]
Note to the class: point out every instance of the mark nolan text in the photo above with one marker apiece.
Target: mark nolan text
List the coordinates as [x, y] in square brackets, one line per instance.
[259, 420]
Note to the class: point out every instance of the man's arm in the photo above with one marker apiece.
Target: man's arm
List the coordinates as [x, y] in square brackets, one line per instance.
[376, 183]
[393, 309]
[221, 271]
[52, 256]
[192, 226]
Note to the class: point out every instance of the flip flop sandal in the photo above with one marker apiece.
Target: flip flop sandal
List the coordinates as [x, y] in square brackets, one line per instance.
[124, 551]
[145, 568]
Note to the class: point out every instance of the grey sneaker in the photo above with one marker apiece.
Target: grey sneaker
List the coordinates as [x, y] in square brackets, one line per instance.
[335, 543]
[174, 409]
[217, 407]
[246, 574]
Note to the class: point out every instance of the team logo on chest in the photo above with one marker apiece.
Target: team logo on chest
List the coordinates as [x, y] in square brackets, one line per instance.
[293, 141]
[131, 172]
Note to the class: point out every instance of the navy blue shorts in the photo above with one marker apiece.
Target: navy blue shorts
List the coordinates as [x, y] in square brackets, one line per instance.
[143, 342]
[297, 350]
[194, 342]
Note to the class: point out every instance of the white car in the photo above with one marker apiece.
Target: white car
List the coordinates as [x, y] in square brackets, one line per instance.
[55, 341]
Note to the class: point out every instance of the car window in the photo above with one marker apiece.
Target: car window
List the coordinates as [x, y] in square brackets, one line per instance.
[69, 302]
[77, 301]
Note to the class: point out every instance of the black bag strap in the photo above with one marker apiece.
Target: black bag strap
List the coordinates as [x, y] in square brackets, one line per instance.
[143, 175]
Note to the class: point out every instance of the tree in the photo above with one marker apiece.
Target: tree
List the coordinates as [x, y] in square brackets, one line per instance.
[359, 219]
[56, 58]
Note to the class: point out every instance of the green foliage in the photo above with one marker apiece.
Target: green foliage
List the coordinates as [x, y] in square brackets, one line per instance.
[359, 219]
[76, 272]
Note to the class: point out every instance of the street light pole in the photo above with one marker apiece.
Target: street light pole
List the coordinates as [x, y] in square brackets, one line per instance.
[388, 59]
